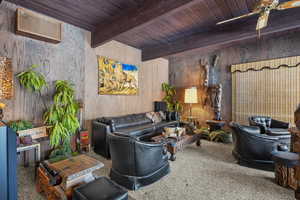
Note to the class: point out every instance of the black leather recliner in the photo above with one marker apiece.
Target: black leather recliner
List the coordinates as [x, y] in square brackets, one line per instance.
[269, 126]
[251, 148]
[136, 163]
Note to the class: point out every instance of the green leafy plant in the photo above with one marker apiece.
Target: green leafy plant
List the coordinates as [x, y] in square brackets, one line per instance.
[32, 80]
[170, 98]
[217, 136]
[20, 125]
[61, 116]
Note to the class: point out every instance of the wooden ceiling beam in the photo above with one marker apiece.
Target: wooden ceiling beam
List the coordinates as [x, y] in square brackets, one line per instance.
[227, 35]
[136, 18]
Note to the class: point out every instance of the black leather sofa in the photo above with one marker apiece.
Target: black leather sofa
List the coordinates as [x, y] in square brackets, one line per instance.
[270, 126]
[136, 163]
[253, 149]
[133, 125]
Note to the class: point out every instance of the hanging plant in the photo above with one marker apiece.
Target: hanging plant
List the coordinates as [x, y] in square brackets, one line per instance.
[32, 80]
[62, 117]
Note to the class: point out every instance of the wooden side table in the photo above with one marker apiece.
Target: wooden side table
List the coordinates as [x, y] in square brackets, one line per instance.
[284, 176]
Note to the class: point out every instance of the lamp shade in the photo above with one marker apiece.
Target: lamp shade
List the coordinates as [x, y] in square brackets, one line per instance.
[190, 95]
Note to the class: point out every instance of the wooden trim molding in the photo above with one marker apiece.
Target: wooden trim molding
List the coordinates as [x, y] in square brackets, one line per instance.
[273, 92]
[288, 62]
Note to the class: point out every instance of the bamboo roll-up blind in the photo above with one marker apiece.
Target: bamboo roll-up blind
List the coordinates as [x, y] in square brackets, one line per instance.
[267, 88]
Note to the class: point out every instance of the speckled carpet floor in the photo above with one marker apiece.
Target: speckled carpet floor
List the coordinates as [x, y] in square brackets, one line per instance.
[206, 173]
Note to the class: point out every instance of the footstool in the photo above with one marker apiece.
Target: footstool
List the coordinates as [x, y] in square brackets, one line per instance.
[100, 189]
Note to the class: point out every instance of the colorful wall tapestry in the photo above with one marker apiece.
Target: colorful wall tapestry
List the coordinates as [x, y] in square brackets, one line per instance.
[6, 78]
[116, 78]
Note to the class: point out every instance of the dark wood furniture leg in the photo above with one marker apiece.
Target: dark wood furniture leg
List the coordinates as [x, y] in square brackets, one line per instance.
[297, 192]
[198, 143]
[26, 157]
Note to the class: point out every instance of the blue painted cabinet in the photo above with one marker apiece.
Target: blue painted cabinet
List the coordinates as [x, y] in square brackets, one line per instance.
[8, 164]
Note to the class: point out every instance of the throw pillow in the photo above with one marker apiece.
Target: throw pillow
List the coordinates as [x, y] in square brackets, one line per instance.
[150, 115]
[154, 117]
[157, 118]
[163, 115]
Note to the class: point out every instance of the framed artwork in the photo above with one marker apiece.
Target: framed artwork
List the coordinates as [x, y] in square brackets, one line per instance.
[6, 78]
[116, 78]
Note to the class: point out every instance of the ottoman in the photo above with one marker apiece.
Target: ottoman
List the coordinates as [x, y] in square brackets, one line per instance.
[100, 189]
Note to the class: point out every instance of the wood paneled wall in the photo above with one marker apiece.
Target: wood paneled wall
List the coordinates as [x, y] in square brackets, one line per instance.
[151, 75]
[189, 72]
[181, 67]
[64, 61]
[74, 60]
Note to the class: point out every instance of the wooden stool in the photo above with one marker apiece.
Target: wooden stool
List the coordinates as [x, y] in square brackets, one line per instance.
[283, 162]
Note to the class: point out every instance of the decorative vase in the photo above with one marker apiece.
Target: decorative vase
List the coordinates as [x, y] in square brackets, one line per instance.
[297, 117]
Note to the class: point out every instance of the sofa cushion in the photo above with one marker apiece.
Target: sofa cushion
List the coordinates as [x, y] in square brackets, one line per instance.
[126, 121]
[136, 130]
[164, 124]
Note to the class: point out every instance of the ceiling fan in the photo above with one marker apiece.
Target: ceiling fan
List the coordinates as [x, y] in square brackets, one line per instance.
[263, 8]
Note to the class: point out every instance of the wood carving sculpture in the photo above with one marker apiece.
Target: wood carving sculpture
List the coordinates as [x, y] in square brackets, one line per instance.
[206, 73]
[216, 99]
[214, 91]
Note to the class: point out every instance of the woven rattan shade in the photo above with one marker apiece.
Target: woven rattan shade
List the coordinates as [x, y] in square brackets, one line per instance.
[272, 90]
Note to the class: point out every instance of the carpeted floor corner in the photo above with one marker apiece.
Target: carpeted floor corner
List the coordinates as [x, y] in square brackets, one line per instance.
[206, 173]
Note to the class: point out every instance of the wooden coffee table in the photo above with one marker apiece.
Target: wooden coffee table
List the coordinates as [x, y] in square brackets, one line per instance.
[175, 144]
[73, 171]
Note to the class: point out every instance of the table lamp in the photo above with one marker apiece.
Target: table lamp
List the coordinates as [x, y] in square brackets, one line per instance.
[191, 97]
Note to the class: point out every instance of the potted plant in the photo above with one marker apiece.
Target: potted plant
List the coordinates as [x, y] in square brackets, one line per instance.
[61, 116]
[20, 125]
[173, 105]
[216, 136]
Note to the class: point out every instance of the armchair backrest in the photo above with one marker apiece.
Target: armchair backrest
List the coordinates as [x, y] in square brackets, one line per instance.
[125, 121]
[260, 120]
[135, 158]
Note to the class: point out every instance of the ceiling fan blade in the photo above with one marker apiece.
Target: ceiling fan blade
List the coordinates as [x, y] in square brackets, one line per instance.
[263, 3]
[263, 20]
[289, 4]
[240, 17]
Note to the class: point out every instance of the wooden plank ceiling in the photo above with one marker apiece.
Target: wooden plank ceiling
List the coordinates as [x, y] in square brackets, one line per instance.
[164, 27]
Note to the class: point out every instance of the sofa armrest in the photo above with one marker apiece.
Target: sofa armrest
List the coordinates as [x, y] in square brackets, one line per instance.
[279, 124]
[99, 138]
[278, 146]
